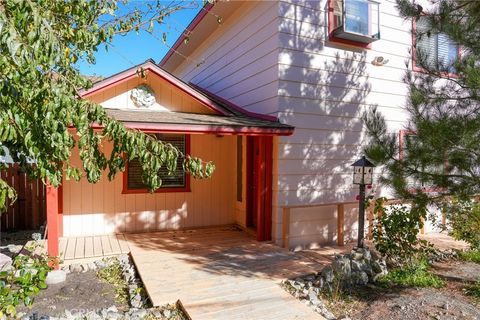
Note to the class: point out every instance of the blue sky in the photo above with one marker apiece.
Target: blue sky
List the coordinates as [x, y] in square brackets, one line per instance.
[133, 49]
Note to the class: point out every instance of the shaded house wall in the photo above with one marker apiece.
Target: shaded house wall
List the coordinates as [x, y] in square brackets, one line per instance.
[273, 58]
[101, 208]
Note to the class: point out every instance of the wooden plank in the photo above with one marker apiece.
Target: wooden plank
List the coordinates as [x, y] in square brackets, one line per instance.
[97, 247]
[89, 252]
[286, 227]
[80, 248]
[313, 205]
[114, 245]
[70, 251]
[228, 276]
[340, 224]
[106, 248]
[30, 204]
[123, 243]
[62, 245]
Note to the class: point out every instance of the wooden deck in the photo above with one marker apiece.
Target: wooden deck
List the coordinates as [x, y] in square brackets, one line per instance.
[220, 273]
[93, 247]
[78, 249]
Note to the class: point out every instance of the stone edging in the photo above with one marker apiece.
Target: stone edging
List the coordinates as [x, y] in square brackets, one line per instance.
[359, 267]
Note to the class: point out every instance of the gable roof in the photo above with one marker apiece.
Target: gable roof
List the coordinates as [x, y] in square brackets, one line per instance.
[150, 66]
[228, 118]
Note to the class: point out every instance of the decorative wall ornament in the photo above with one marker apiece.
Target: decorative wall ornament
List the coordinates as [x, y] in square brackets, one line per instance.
[143, 96]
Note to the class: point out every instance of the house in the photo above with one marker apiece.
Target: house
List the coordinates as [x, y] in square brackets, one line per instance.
[274, 95]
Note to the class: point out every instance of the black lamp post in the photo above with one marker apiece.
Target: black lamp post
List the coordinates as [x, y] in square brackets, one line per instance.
[362, 175]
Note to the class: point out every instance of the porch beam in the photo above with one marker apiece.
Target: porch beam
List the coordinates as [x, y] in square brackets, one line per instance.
[52, 220]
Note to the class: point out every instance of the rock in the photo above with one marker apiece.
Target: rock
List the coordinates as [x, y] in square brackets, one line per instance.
[76, 268]
[327, 274]
[114, 315]
[56, 276]
[113, 309]
[376, 267]
[309, 278]
[342, 267]
[367, 268]
[318, 282]
[12, 248]
[357, 265]
[446, 306]
[360, 278]
[157, 313]
[313, 298]
[5, 261]
[100, 264]
[167, 313]
[367, 255]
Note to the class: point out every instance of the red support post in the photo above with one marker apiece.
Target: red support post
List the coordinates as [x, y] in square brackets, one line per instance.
[52, 222]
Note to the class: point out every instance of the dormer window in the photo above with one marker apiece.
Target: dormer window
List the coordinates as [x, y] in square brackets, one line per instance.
[354, 21]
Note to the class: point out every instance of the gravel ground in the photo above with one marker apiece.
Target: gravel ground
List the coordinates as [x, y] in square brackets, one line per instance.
[80, 292]
[413, 304]
[372, 302]
[457, 270]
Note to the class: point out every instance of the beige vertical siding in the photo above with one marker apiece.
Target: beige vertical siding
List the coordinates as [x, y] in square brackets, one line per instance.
[91, 209]
[168, 98]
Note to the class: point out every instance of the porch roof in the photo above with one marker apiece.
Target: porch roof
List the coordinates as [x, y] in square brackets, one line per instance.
[198, 123]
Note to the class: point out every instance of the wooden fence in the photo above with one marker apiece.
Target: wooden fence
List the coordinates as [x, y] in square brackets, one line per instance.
[28, 212]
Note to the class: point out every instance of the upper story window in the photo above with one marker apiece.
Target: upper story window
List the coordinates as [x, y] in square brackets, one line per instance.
[178, 181]
[436, 50]
[354, 21]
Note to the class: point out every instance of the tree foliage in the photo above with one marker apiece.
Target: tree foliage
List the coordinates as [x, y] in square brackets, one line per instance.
[42, 116]
[441, 157]
[438, 163]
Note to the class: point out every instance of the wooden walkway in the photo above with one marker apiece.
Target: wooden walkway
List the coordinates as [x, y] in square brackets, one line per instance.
[220, 273]
[92, 247]
[78, 249]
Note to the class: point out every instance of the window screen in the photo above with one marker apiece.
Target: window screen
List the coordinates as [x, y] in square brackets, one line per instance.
[437, 50]
[174, 180]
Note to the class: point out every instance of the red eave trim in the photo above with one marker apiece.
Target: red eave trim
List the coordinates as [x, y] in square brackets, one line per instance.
[195, 22]
[204, 129]
[132, 72]
[236, 107]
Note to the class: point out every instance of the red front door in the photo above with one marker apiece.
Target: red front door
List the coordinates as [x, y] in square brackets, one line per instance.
[259, 186]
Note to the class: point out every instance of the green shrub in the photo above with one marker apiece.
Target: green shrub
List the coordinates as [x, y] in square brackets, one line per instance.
[395, 233]
[113, 275]
[22, 282]
[463, 218]
[414, 275]
[471, 255]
